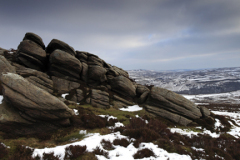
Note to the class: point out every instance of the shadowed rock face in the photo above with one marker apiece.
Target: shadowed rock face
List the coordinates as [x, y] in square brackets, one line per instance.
[57, 44]
[123, 86]
[2, 51]
[35, 38]
[63, 86]
[31, 52]
[5, 66]
[172, 106]
[65, 64]
[37, 78]
[30, 102]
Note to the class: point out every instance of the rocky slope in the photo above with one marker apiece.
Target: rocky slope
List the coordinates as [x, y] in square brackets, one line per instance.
[34, 77]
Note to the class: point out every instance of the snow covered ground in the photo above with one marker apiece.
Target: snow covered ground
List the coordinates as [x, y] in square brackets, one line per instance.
[119, 153]
[235, 130]
[230, 97]
[93, 140]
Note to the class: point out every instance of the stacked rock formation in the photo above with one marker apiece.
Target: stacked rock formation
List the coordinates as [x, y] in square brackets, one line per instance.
[34, 77]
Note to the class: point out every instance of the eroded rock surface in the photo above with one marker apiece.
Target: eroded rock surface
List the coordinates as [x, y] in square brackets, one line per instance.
[99, 99]
[57, 44]
[171, 106]
[31, 55]
[65, 65]
[123, 85]
[32, 100]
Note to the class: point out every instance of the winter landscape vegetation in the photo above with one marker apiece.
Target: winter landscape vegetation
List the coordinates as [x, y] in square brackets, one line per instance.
[61, 103]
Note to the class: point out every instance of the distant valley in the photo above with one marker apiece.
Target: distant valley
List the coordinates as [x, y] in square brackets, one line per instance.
[193, 82]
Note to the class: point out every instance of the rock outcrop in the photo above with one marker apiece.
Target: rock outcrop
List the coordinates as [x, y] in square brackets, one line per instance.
[34, 77]
[31, 52]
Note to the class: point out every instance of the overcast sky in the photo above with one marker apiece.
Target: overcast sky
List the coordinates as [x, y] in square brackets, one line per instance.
[132, 34]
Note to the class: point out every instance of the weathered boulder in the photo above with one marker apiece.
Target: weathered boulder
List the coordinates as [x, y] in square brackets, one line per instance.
[119, 102]
[165, 103]
[41, 82]
[80, 95]
[37, 78]
[2, 51]
[94, 60]
[141, 89]
[84, 73]
[35, 38]
[123, 86]
[31, 55]
[5, 66]
[32, 100]
[57, 44]
[205, 112]
[99, 99]
[167, 115]
[63, 86]
[18, 66]
[33, 49]
[142, 93]
[15, 122]
[143, 97]
[116, 71]
[82, 56]
[8, 114]
[63, 64]
[76, 95]
[96, 73]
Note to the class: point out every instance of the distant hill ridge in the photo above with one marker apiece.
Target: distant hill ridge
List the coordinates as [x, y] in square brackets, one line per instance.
[205, 81]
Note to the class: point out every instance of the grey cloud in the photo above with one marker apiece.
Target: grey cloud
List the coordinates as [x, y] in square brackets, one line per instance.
[131, 34]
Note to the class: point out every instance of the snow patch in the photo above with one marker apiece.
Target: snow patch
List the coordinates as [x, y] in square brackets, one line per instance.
[1, 98]
[64, 95]
[83, 132]
[108, 117]
[76, 111]
[132, 108]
